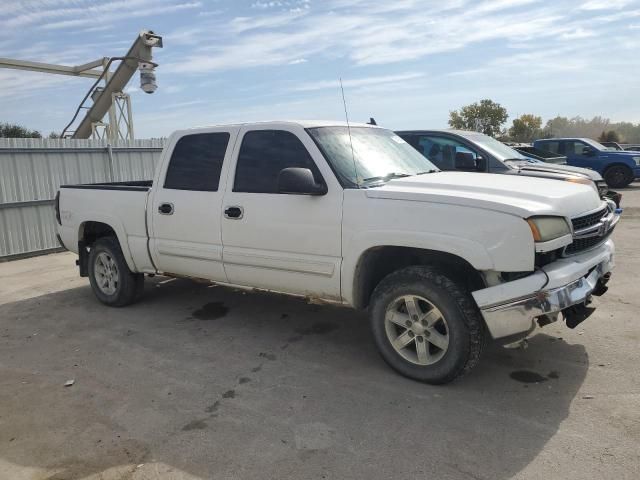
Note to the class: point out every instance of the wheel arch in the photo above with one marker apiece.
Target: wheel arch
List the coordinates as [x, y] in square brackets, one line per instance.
[377, 262]
[89, 231]
[617, 164]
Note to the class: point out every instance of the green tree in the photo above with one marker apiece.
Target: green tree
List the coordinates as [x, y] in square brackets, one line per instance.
[8, 130]
[485, 116]
[610, 136]
[526, 128]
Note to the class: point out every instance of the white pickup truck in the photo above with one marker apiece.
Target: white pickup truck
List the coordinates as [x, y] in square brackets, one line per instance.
[354, 215]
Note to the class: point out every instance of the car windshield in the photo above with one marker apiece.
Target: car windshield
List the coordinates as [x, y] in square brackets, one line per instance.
[498, 149]
[371, 156]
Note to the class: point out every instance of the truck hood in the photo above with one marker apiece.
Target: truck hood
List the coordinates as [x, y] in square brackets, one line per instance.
[512, 194]
[613, 154]
[556, 168]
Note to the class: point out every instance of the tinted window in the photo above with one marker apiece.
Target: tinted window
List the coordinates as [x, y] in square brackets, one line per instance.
[442, 151]
[550, 146]
[196, 162]
[263, 154]
[574, 147]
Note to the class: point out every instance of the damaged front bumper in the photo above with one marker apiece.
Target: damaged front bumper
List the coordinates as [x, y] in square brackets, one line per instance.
[511, 308]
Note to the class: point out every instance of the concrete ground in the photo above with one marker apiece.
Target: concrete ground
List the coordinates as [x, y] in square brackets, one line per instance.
[199, 382]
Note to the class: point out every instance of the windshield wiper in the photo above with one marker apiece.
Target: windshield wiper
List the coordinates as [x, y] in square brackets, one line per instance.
[427, 171]
[386, 177]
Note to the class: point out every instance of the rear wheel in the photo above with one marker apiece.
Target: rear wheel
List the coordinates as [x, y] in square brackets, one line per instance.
[618, 176]
[111, 280]
[425, 326]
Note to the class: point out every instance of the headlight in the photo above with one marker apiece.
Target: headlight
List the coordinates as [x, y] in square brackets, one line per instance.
[548, 228]
[583, 181]
[637, 160]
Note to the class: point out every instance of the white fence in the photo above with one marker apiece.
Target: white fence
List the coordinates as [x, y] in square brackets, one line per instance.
[32, 169]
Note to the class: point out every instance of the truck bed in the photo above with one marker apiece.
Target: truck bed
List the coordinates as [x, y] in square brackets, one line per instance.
[120, 205]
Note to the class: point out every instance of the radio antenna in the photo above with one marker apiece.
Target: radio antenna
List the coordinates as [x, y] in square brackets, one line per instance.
[346, 115]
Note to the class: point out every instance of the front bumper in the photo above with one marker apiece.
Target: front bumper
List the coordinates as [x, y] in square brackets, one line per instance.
[511, 308]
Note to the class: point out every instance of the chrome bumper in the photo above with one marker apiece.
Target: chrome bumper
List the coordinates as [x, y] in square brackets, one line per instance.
[517, 315]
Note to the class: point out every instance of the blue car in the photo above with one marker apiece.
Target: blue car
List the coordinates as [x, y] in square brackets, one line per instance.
[618, 168]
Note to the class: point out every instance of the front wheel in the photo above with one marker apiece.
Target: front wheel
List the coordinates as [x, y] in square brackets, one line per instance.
[111, 280]
[425, 326]
[618, 176]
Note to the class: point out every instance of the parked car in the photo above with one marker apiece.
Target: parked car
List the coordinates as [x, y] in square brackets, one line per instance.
[619, 168]
[472, 151]
[355, 216]
[631, 147]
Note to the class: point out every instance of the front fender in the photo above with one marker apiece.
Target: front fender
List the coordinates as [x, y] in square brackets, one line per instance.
[472, 252]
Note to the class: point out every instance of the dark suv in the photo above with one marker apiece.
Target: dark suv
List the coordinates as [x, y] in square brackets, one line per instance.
[473, 151]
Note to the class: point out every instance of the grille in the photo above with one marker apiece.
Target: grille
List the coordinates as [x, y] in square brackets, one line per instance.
[588, 220]
[581, 244]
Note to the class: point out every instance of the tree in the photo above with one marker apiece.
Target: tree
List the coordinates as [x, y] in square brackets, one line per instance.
[610, 136]
[485, 116]
[593, 128]
[8, 130]
[526, 128]
[54, 135]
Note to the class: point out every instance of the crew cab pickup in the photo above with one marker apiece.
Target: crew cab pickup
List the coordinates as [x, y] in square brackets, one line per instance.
[619, 168]
[351, 214]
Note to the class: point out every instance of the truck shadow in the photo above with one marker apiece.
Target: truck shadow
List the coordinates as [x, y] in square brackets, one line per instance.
[211, 382]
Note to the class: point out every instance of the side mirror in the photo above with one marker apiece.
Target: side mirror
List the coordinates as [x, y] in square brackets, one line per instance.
[481, 164]
[299, 181]
[465, 161]
[588, 151]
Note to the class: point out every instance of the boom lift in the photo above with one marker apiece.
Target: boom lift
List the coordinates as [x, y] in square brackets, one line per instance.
[110, 97]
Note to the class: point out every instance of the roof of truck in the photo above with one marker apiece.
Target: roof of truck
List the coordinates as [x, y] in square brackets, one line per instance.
[453, 131]
[563, 139]
[302, 123]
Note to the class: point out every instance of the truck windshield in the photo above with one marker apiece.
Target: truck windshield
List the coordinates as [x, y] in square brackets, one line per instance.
[594, 144]
[498, 149]
[378, 155]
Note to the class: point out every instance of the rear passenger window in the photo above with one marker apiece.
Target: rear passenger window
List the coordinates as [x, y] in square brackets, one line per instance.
[196, 162]
[263, 154]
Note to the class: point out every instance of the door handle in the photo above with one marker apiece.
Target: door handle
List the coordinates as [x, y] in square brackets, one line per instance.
[165, 209]
[234, 213]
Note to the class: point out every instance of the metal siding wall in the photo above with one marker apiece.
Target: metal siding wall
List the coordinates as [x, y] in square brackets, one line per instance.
[32, 170]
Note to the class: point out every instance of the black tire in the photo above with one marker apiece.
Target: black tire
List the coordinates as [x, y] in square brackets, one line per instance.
[128, 286]
[463, 324]
[618, 176]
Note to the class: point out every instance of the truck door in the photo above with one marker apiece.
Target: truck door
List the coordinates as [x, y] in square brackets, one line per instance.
[577, 156]
[185, 210]
[284, 242]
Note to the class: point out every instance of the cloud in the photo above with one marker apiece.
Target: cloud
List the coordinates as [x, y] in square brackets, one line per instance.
[605, 4]
[358, 82]
[405, 59]
[366, 33]
[60, 14]
[577, 34]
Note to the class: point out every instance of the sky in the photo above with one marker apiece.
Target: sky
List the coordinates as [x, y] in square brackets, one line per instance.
[406, 63]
